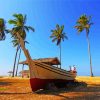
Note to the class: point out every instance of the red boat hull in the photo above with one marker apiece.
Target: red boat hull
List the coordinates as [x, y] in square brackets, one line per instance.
[37, 83]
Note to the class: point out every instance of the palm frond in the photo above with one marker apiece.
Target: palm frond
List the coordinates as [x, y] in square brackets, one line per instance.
[79, 28]
[84, 22]
[15, 15]
[26, 42]
[12, 22]
[52, 36]
[54, 39]
[2, 36]
[26, 28]
[20, 27]
[64, 36]
[15, 42]
[62, 27]
[24, 20]
[52, 30]
[58, 41]
[19, 18]
[91, 24]
[2, 29]
[31, 28]
[58, 35]
[57, 26]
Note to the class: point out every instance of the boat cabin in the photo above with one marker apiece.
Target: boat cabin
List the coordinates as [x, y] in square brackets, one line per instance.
[49, 61]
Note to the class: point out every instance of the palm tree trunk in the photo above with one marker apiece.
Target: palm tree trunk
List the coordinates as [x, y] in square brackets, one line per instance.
[18, 62]
[91, 73]
[60, 54]
[15, 61]
[27, 54]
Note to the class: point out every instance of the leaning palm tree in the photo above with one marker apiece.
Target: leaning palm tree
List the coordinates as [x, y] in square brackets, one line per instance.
[58, 35]
[84, 23]
[2, 29]
[19, 23]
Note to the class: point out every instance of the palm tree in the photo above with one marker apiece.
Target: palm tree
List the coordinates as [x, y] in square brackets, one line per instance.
[84, 23]
[18, 61]
[15, 44]
[19, 57]
[2, 29]
[19, 23]
[58, 35]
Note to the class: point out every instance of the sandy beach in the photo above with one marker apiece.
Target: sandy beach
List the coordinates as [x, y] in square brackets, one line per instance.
[18, 89]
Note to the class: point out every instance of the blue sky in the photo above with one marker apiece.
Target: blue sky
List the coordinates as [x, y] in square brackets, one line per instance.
[43, 15]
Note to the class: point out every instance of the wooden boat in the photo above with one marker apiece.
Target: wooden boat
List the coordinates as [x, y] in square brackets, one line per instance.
[46, 71]
[42, 72]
